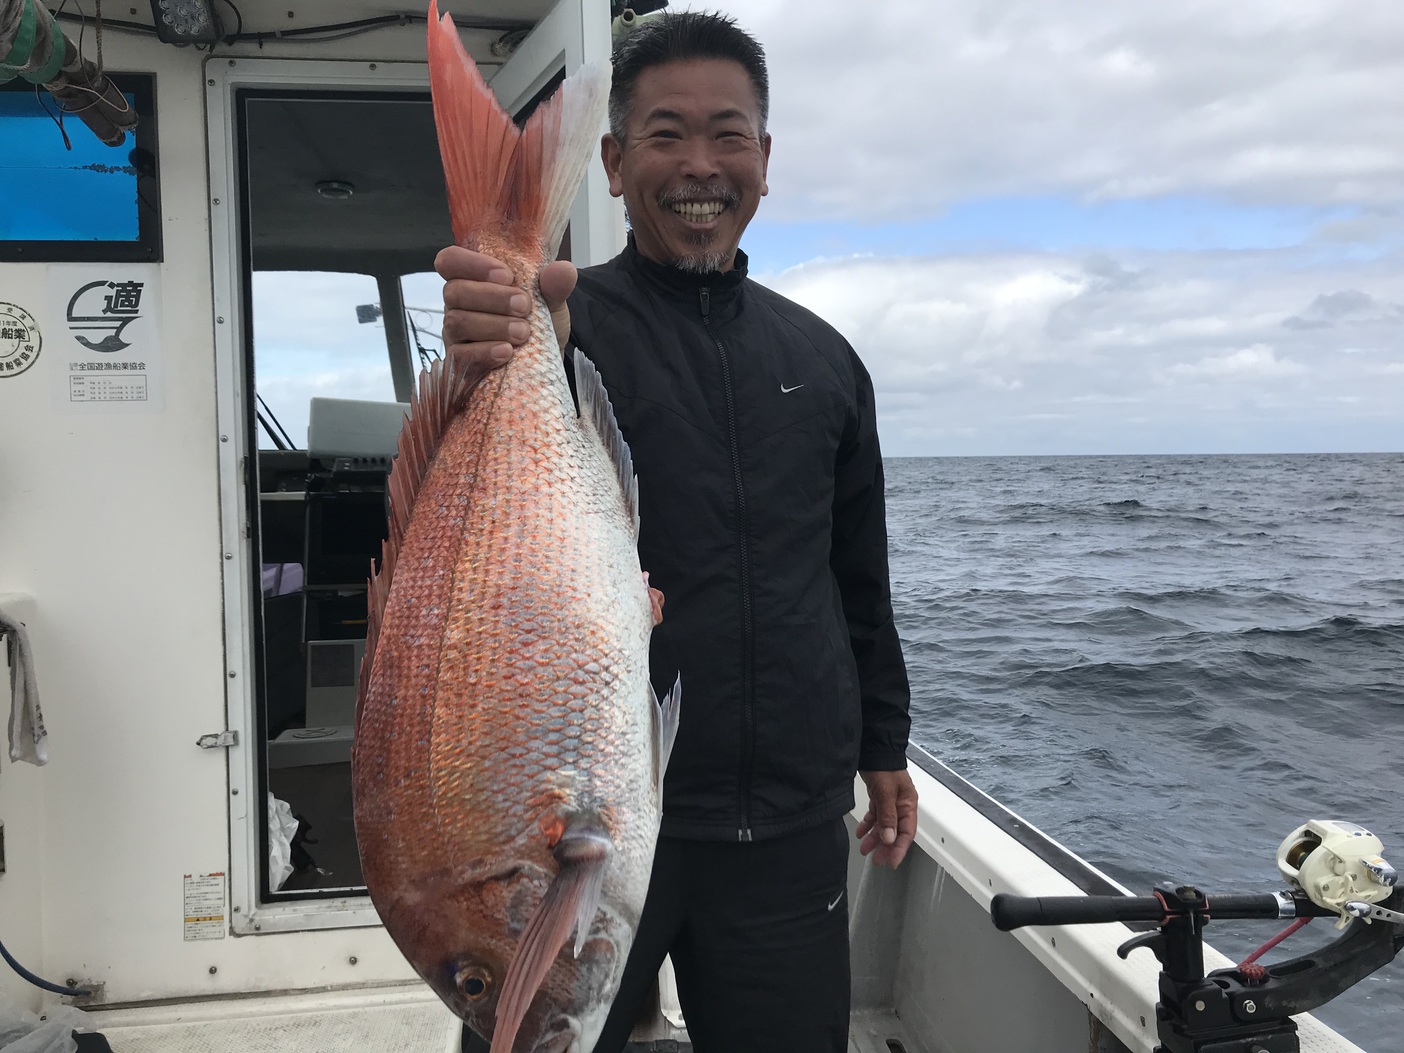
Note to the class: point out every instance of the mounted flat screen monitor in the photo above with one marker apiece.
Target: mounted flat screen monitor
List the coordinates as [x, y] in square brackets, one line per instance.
[90, 202]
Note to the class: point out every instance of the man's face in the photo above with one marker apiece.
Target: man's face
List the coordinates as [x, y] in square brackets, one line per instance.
[692, 168]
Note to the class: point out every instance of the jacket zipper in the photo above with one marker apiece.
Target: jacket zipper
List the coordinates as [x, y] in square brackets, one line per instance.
[748, 730]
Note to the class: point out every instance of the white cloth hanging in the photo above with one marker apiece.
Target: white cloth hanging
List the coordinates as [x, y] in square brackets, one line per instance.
[28, 739]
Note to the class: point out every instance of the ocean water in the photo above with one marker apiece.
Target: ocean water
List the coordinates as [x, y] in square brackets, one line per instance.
[1168, 663]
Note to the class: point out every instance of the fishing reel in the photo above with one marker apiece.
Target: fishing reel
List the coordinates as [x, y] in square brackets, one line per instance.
[1338, 866]
[1335, 869]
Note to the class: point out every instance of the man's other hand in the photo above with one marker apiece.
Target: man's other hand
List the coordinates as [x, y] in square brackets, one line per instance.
[887, 829]
[485, 315]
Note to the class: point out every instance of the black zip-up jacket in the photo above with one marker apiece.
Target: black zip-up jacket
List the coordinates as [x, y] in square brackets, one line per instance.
[752, 429]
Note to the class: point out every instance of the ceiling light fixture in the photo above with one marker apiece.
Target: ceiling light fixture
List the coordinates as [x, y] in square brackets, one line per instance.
[335, 189]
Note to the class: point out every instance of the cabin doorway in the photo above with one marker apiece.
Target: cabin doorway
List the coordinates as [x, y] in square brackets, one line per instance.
[327, 308]
[344, 209]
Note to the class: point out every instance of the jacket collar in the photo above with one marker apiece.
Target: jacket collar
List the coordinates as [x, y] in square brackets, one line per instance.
[722, 283]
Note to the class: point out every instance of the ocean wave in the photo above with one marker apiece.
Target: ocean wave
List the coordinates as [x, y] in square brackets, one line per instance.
[1336, 630]
[1128, 619]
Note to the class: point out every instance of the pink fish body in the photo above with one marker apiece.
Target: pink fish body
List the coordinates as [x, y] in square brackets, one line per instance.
[509, 750]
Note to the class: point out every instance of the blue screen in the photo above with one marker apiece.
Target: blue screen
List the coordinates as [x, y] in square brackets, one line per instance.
[49, 193]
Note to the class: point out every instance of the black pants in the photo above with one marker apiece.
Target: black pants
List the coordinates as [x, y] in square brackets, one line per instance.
[758, 933]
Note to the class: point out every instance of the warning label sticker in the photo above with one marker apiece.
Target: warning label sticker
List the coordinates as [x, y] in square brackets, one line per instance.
[204, 907]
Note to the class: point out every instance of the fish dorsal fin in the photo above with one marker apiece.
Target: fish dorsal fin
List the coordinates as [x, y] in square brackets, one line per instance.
[596, 411]
[443, 388]
[498, 177]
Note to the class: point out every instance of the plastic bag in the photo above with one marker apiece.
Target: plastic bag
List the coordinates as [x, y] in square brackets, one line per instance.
[281, 829]
[26, 1033]
[15, 1025]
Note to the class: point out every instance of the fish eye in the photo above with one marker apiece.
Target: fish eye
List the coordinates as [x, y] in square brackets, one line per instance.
[474, 981]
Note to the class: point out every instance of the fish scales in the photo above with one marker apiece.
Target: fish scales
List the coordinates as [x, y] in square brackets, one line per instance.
[504, 591]
[548, 589]
[511, 676]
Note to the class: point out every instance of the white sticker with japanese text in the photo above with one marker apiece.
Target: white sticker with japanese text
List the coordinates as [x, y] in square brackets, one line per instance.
[104, 336]
[204, 907]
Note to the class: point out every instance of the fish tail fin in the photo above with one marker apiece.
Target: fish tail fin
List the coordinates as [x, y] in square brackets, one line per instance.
[495, 172]
[570, 903]
[567, 129]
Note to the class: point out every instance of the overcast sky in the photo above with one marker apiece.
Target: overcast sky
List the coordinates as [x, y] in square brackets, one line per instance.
[1060, 226]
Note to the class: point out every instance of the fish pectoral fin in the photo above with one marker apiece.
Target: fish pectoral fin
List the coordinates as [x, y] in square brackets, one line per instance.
[570, 903]
[665, 716]
[583, 856]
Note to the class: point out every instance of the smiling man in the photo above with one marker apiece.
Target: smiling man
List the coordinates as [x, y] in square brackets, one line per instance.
[754, 439]
[689, 158]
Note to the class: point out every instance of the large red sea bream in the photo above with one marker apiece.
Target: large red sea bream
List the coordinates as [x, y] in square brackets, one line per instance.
[509, 751]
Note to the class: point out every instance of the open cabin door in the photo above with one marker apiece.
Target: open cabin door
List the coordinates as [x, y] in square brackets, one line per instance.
[327, 211]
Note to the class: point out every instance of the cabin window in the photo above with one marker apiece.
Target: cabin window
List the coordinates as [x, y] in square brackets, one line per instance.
[80, 199]
[343, 212]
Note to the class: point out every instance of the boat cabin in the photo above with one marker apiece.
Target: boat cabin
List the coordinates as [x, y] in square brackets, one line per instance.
[216, 292]
[209, 330]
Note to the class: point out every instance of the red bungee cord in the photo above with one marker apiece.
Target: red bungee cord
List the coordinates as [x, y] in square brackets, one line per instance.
[1257, 972]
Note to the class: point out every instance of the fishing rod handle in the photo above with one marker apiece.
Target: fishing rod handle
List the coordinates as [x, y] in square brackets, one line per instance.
[1013, 912]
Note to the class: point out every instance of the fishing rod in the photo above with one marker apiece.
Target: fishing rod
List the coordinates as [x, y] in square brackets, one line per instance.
[1333, 868]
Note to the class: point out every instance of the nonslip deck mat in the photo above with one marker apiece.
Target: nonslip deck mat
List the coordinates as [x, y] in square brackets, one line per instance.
[418, 1027]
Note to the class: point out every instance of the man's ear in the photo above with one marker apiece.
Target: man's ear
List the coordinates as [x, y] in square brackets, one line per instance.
[765, 163]
[612, 154]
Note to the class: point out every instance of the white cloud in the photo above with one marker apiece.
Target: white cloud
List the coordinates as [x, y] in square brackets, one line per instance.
[1169, 352]
[1344, 308]
[900, 110]
[1250, 363]
[308, 344]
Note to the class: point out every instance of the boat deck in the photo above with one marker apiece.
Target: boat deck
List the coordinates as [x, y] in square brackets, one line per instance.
[931, 974]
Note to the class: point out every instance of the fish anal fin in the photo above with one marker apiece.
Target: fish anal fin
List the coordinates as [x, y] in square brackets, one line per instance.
[596, 411]
[570, 903]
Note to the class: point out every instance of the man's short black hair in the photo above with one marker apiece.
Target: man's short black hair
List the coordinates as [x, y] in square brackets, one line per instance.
[676, 36]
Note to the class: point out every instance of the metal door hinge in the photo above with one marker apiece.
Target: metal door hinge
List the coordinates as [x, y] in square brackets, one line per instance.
[217, 739]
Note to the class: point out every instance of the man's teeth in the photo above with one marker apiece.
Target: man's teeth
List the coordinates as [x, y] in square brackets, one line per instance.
[699, 210]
